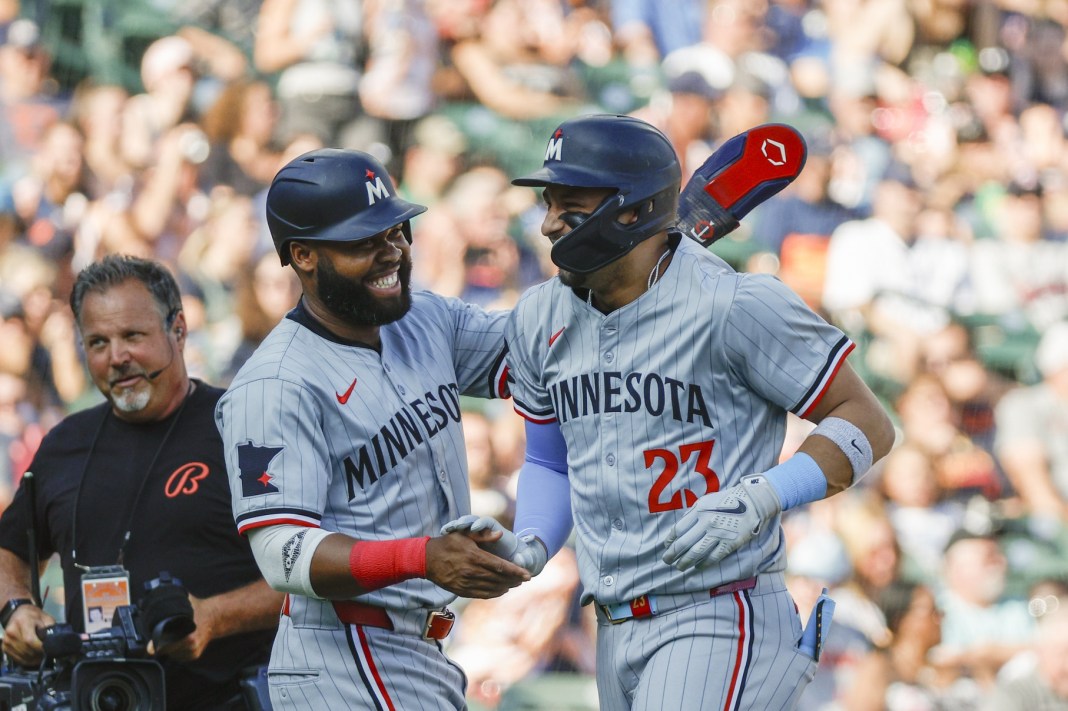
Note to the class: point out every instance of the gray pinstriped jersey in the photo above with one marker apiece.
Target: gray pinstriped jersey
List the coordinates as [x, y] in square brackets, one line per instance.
[320, 433]
[683, 391]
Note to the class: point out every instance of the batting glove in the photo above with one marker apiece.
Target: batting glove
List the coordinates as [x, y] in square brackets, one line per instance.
[721, 523]
[526, 552]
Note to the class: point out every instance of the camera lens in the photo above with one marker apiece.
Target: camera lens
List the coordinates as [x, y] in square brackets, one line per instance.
[115, 694]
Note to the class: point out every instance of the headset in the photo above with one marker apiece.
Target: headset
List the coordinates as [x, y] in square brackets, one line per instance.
[178, 332]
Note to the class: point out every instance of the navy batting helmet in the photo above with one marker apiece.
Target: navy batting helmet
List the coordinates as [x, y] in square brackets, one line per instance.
[625, 154]
[336, 196]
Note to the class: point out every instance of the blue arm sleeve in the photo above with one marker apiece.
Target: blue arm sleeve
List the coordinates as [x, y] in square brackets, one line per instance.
[543, 501]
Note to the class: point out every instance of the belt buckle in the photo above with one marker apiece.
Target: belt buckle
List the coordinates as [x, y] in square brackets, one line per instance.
[607, 610]
[438, 624]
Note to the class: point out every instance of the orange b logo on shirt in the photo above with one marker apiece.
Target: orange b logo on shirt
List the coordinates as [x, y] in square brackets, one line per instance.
[186, 479]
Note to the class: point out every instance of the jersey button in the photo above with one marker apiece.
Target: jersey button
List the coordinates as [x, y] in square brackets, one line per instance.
[442, 475]
[400, 389]
[611, 459]
[385, 367]
[609, 581]
[608, 357]
[617, 524]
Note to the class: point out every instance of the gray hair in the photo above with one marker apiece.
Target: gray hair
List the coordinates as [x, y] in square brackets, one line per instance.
[113, 270]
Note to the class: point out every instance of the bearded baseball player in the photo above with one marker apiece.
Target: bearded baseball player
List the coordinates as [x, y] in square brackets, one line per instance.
[655, 382]
[345, 451]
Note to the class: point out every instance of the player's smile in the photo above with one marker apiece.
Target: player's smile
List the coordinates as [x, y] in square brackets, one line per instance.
[387, 285]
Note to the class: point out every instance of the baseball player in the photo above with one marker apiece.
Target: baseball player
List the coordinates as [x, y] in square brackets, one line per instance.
[345, 450]
[656, 382]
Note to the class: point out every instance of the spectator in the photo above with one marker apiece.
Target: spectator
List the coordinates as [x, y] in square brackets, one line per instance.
[30, 100]
[1032, 431]
[263, 294]
[97, 111]
[51, 199]
[397, 87]
[805, 208]
[647, 31]
[514, 59]
[696, 79]
[932, 422]
[432, 159]
[219, 250]
[903, 677]
[1047, 686]
[872, 279]
[981, 628]
[314, 49]
[862, 524]
[1024, 276]
[818, 560]
[221, 34]
[168, 203]
[465, 248]
[240, 127]
[168, 77]
[923, 519]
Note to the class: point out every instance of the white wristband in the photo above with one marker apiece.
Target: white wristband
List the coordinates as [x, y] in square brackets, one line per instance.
[851, 440]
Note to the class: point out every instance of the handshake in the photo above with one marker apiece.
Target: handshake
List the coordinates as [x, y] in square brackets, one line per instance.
[526, 551]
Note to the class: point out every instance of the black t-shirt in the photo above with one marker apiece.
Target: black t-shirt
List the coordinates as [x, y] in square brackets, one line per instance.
[181, 522]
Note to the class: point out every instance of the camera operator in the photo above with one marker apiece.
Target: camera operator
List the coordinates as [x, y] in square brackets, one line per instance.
[140, 482]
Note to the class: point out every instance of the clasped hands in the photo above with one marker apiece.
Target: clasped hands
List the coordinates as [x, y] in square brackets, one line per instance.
[527, 552]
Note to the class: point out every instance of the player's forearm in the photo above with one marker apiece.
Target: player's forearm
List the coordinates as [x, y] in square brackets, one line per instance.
[343, 567]
[309, 561]
[543, 506]
[849, 400]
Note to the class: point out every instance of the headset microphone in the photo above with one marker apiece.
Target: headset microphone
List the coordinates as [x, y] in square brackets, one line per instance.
[170, 319]
[156, 373]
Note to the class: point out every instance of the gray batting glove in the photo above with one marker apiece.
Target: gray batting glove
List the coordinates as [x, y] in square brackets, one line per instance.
[721, 523]
[526, 552]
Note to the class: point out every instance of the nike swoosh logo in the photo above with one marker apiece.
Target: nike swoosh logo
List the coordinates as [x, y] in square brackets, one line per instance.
[738, 509]
[856, 446]
[345, 398]
[552, 338]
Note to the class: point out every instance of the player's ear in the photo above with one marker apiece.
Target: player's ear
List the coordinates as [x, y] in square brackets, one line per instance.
[302, 256]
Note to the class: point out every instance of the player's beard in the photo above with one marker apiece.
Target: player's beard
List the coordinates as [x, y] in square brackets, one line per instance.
[354, 303]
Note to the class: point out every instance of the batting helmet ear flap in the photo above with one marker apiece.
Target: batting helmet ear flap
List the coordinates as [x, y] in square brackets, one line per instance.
[602, 238]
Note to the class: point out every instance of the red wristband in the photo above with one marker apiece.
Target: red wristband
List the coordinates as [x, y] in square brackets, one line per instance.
[379, 564]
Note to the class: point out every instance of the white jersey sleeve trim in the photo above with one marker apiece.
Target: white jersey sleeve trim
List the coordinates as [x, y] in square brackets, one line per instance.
[812, 398]
[531, 416]
[500, 381]
[273, 517]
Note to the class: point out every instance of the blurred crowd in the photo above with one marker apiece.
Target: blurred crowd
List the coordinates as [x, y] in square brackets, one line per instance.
[930, 223]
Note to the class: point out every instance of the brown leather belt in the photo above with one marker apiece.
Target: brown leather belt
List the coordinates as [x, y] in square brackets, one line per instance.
[438, 622]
